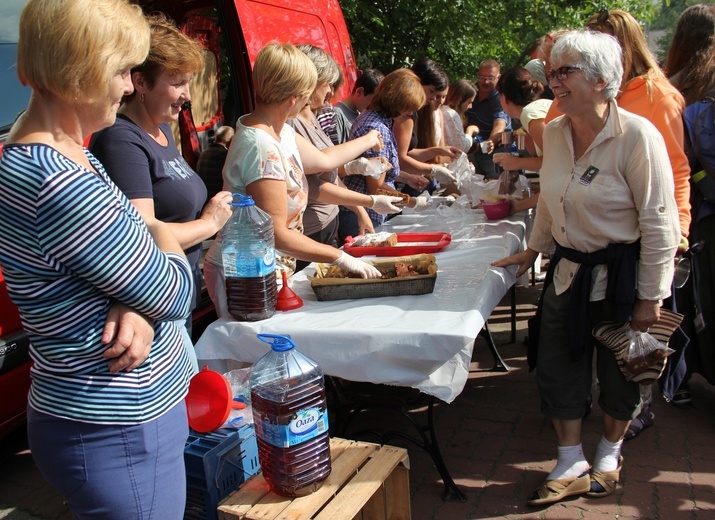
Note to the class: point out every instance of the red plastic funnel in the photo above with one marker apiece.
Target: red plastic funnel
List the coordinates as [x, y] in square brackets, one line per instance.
[287, 299]
[209, 401]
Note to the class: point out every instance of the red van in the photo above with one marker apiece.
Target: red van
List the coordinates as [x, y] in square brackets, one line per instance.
[233, 31]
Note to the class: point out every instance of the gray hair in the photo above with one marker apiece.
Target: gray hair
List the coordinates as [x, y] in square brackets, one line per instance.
[597, 54]
[224, 135]
[328, 70]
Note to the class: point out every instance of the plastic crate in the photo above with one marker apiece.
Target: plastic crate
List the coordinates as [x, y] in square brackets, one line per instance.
[217, 463]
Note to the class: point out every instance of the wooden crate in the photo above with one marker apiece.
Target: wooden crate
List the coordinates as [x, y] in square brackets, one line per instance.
[367, 482]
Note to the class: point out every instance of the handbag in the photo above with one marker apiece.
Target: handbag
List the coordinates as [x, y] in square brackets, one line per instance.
[615, 336]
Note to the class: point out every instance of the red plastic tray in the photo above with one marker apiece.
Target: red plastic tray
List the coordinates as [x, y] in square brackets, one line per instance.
[407, 244]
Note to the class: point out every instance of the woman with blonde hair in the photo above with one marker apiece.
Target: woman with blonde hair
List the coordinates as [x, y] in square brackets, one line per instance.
[98, 287]
[460, 95]
[268, 161]
[645, 91]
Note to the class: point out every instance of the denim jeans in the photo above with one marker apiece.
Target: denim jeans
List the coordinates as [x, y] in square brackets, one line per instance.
[114, 472]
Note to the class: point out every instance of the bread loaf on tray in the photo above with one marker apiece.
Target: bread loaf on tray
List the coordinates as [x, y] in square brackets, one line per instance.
[383, 239]
[405, 197]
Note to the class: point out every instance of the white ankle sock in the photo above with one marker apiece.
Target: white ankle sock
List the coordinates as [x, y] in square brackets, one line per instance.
[607, 455]
[572, 463]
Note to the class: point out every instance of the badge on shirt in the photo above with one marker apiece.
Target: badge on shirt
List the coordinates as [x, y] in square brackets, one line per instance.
[589, 175]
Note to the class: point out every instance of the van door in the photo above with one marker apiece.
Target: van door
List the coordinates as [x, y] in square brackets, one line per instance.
[319, 22]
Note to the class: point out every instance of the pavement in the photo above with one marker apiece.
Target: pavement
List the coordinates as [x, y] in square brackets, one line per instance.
[498, 448]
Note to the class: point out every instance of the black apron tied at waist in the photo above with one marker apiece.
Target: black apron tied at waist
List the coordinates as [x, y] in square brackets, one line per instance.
[621, 261]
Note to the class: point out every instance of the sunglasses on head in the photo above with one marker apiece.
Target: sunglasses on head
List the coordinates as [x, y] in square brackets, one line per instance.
[603, 20]
[603, 16]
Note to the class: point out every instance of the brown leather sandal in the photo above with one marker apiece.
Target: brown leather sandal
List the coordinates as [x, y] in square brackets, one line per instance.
[605, 483]
[554, 490]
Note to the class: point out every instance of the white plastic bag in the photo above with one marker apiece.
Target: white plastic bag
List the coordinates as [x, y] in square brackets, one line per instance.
[643, 352]
[462, 169]
[241, 391]
[476, 188]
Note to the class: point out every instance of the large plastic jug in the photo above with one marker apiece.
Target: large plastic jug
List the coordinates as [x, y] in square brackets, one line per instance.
[291, 419]
[249, 261]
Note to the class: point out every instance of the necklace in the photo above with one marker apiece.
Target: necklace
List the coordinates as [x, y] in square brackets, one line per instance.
[605, 117]
[269, 125]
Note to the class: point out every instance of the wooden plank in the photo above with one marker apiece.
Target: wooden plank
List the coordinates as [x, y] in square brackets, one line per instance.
[338, 445]
[237, 504]
[397, 493]
[359, 470]
[374, 508]
[344, 467]
[350, 500]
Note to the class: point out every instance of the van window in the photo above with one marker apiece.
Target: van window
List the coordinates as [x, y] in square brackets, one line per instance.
[14, 95]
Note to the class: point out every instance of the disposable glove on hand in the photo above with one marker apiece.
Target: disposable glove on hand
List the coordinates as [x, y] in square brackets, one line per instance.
[352, 264]
[421, 203]
[357, 167]
[442, 174]
[384, 204]
[372, 167]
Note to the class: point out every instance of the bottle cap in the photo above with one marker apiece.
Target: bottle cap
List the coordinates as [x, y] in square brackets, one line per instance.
[243, 200]
[277, 342]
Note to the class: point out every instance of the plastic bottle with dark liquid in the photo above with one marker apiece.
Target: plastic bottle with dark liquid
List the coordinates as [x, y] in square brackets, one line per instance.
[249, 262]
[291, 419]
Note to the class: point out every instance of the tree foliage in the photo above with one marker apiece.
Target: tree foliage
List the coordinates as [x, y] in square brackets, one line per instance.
[458, 34]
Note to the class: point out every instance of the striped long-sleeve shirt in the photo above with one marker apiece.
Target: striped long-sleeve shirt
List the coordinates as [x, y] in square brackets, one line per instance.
[71, 245]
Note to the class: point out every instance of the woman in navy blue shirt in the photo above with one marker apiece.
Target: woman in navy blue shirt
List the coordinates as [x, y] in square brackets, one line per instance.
[140, 154]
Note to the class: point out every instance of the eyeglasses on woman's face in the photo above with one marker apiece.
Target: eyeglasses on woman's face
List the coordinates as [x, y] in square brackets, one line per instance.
[561, 73]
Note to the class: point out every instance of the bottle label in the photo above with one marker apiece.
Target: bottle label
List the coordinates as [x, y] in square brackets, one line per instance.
[258, 260]
[303, 426]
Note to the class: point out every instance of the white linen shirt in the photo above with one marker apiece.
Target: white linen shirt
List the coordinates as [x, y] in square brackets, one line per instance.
[454, 130]
[630, 197]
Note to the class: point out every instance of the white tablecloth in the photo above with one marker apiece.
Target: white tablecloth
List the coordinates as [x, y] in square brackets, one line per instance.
[424, 342]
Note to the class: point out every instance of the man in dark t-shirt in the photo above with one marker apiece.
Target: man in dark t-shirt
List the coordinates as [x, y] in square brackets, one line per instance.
[488, 115]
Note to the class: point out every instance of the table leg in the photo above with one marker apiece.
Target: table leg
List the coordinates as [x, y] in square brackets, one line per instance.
[499, 364]
[362, 400]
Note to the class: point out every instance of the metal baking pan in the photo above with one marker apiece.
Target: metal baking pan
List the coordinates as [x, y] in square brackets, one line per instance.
[328, 289]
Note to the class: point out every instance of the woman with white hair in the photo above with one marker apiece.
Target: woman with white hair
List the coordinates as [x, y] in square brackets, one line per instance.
[607, 202]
